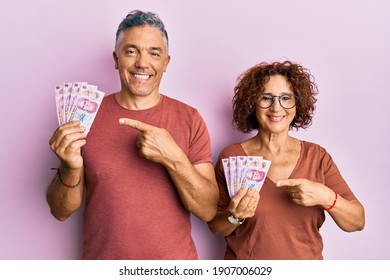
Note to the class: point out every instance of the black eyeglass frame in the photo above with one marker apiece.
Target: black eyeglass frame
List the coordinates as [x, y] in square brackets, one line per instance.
[273, 100]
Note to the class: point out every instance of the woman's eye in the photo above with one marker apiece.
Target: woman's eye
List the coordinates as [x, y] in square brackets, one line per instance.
[266, 98]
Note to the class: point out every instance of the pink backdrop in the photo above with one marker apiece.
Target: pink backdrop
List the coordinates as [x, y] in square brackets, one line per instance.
[345, 44]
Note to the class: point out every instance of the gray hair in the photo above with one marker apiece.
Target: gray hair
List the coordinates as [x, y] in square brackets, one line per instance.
[139, 18]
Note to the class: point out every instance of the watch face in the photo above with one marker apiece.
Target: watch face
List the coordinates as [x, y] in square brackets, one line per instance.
[233, 220]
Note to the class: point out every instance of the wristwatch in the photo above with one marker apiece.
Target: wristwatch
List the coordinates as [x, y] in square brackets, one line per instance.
[234, 220]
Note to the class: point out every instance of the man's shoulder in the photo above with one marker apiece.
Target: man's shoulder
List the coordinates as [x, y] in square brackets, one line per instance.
[108, 98]
[170, 101]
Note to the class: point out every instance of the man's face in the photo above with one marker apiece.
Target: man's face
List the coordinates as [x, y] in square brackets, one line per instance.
[141, 59]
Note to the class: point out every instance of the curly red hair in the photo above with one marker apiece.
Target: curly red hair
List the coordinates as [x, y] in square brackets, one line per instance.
[251, 84]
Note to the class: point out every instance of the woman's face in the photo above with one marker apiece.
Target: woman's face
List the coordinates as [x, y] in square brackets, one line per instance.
[276, 119]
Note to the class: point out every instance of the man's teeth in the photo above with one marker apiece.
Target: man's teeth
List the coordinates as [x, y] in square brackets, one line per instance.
[141, 77]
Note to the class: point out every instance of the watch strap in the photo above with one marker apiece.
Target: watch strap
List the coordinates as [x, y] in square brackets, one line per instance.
[235, 221]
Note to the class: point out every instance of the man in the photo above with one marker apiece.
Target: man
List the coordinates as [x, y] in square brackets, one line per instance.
[146, 163]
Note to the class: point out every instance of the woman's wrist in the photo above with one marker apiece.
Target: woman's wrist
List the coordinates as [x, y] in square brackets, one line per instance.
[331, 202]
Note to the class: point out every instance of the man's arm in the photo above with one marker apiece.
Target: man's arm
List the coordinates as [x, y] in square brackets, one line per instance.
[63, 201]
[66, 143]
[196, 184]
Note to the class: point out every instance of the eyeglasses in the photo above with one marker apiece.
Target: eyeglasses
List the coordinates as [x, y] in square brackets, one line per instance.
[286, 100]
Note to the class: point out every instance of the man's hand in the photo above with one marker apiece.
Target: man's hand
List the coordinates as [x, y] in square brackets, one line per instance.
[66, 143]
[154, 143]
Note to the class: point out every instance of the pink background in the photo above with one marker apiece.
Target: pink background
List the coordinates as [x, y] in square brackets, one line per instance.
[345, 44]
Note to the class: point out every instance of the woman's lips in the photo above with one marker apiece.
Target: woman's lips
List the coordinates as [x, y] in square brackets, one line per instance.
[275, 118]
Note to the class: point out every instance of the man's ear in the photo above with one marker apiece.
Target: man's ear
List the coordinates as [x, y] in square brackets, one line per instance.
[115, 59]
[167, 62]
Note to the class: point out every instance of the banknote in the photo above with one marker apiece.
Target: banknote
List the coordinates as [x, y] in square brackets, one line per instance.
[77, 101]
[245, 172]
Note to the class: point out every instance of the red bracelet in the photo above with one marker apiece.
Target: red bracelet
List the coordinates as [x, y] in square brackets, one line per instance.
[62, 182]
[334, 202]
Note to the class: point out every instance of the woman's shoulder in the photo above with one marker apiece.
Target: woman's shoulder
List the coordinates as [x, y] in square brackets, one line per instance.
[231, 150]
[311, 148]
[312, 145]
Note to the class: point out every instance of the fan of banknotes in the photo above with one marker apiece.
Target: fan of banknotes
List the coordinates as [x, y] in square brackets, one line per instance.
[77, 101]
[245, 171]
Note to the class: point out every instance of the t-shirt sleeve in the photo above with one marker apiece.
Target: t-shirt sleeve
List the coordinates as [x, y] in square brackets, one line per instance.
[333, 178]
[200, 144]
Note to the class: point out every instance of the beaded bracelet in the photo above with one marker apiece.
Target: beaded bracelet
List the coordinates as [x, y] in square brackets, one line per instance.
[334, 202]
[62, 182]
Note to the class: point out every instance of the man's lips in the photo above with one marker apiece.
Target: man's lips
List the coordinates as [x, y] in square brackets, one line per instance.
[142, 77]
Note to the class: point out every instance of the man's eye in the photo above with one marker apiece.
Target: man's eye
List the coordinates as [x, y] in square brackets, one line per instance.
[130, 51]
[155, 54]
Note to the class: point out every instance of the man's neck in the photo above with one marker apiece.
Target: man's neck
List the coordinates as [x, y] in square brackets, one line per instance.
[132, 102]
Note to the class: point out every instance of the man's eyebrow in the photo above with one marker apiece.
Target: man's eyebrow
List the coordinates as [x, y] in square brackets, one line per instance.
[155, 49]
[127, 46]
[130, 46]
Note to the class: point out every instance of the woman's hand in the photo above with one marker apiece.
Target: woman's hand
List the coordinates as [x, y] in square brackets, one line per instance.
[308, 193]
[243, 205]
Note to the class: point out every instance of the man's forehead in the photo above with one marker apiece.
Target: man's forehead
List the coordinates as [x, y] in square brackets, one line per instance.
[144, 34]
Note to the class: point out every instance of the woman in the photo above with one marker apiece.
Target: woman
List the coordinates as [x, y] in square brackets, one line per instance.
[302, 182]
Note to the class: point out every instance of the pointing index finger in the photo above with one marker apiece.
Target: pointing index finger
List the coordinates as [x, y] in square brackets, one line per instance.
[287, 183]
[138, 125]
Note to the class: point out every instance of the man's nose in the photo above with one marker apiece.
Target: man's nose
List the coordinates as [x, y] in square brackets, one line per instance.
[142, 61]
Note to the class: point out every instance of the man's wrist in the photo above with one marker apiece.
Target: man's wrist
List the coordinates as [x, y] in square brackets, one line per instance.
[68, 178]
